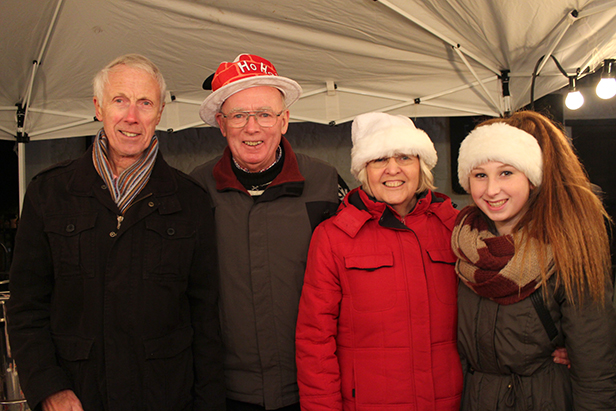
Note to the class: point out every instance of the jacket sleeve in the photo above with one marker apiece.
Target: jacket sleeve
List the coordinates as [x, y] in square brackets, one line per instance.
[590, 339]
[28, 309]
[203, 296]
[318, 372]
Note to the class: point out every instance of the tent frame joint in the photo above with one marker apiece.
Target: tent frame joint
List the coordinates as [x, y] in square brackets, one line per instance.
[21, 136]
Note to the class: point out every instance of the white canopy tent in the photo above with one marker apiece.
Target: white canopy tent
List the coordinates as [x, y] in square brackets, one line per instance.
[420, 58]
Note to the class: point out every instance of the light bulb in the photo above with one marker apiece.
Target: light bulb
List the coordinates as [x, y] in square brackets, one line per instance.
[574, 100]
[606, 88]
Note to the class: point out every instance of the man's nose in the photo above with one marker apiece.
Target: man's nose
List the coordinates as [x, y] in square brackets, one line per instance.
[131, 113]
[251, 123]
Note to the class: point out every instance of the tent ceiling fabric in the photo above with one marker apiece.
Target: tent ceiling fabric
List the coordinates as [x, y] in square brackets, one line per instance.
[350, 56]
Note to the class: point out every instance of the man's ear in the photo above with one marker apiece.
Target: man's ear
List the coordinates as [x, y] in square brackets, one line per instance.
[160, 114]
[97, 108]
[219, 120]
[285, 119]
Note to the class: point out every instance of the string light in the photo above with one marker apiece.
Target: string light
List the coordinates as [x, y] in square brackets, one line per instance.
[607, 86]
[574, 99]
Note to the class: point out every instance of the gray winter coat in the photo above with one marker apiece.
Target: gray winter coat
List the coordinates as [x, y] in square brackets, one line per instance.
[506, 355]
[262, 247]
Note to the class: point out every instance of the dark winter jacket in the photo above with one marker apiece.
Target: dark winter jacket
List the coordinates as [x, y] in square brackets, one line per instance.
[377, 319]
[262, 247]
[122, 314]
[506, 355]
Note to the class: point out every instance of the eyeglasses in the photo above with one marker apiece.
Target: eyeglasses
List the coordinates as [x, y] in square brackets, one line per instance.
[265, 118]
[401, 160]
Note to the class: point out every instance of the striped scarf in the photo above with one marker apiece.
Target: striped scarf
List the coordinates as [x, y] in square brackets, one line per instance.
[490, 265]
[132, 180]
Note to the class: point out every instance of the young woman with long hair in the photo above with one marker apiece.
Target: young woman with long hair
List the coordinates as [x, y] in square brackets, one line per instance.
[534, 262]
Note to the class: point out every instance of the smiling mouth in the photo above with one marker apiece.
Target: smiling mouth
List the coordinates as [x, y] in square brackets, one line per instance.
[393, 184]
[253, 143]
[129, 134]
[496, 204]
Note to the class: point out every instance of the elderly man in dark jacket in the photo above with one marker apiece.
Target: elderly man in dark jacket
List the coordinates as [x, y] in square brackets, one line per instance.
[113, 285]
[267, 201]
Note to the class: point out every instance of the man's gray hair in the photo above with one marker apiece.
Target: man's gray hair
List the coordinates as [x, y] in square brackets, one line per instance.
[136, 61]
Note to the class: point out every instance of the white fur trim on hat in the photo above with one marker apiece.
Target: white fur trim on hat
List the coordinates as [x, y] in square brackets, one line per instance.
[504, 143]
[378, 135]
[212, 103]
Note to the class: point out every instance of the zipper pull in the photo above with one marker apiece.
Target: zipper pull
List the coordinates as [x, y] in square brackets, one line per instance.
[120, 219]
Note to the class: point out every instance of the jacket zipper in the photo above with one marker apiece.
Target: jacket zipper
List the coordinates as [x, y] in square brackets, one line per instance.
[121, 217]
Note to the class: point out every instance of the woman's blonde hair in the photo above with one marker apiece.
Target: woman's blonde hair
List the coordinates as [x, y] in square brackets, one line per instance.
[565, 212]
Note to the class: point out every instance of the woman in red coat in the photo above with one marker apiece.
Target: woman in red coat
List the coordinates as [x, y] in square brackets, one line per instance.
[377, 317]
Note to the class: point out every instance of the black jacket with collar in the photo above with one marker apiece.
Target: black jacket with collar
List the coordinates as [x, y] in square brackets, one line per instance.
[122, 314]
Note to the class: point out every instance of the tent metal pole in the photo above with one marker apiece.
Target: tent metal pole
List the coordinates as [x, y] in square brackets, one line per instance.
[21, 145]
[21, 172]
[187, 101]
[36, 63]
[597, 8]
[423, 98]
[62, 114]
[570, 18]
[185, 126]
[21, 128]
[460, 109]
[483, 87]
[8, 131]
[439, 35]
[62, 127]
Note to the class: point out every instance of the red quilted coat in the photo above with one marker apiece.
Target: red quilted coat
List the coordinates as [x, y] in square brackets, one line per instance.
[377, 318]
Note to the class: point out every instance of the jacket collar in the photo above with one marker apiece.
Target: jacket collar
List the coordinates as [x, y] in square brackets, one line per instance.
[85, 179]
[358, 208]
[289, 182]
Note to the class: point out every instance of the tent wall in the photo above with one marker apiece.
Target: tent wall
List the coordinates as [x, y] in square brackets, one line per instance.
[189, 148]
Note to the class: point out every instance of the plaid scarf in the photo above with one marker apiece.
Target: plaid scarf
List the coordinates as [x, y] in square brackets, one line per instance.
[490, 265]
[132, 180]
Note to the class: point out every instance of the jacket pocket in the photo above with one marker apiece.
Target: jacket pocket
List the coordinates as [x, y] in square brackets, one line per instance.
[73, 348]
[74, 355]
[169, 249]
[169, 375]
[72, 242]
[372, 281]
[443, 276]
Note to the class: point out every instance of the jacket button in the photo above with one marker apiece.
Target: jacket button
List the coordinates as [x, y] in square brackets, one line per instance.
[151, 204]
[170, 231]
[112, 234]
[70, 228]
[104, 187]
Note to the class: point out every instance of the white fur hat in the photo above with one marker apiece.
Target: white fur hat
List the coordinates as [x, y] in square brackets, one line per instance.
[504, 143]
[378, 135]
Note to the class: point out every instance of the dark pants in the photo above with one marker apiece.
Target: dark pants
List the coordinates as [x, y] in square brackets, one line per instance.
[244, 406]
